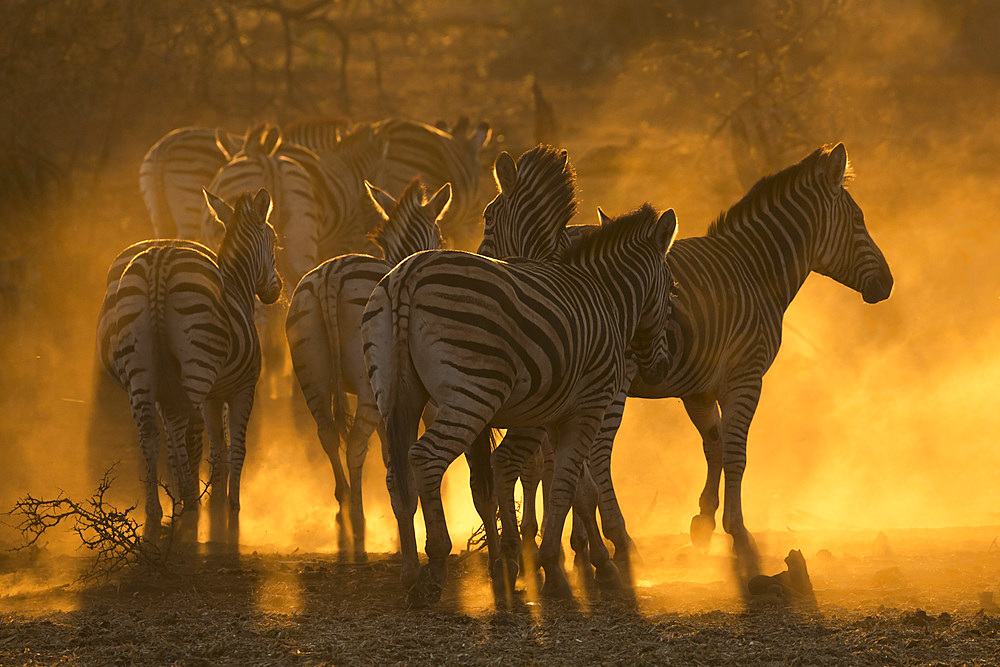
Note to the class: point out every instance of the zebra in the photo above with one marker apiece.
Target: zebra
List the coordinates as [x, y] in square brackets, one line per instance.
[346, 218]
[323, 328]
[183, 341]
[318, 134]
[538, 194]
[258, 163]
[438, 157]
[517, 343]
[174, 171]
[733, 287]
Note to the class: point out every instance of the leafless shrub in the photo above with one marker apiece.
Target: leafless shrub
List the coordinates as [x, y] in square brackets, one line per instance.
[111, 534]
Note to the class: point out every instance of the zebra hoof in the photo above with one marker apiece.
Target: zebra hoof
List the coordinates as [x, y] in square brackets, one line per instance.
[427, 590]
[584, 569]
[608, 578]
[702, 527]
[557, 587]
[504, 575]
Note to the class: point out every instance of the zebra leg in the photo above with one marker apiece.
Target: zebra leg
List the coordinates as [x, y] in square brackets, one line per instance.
[508, 458]
[366, 418]
[149, 443]
[571, 446]
[398, 432]
[329, 438]
[531, 476]
[738, 407]
[177, 429]
[703, 410]
[579, 543]
[484, 497]
[449, 436]
[585, 506]
[612, 519]
[213, 412]
[240, 407]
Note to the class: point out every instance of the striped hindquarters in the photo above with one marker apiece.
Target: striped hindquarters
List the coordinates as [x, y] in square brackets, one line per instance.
[171, 336]
[171, 177]
[107, 317]
[323, 328]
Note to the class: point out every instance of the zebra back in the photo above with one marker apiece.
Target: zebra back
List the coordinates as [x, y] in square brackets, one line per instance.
[317, 134]
[172, 175]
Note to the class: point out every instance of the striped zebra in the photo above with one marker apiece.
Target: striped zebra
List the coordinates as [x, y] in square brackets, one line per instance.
[511, 344]
[733, 287]
[319, 134]
[323, 328]
[259, 164]
[346, 216]
[438, 157]
[173, 173]
[183, 343]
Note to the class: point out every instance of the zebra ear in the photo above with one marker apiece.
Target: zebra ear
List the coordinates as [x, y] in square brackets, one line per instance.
[602, 217]
[665, 230]
[223, 211]
[440, 201]
[382, 200]
[836, 166]
[505, 172]
[262, 204]
[270, 141]
[227, 143]
[481, 136]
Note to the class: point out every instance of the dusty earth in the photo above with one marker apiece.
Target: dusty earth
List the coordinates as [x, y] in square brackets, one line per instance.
[912, 597]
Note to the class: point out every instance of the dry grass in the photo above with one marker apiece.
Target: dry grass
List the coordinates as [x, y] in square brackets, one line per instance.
[314, 609]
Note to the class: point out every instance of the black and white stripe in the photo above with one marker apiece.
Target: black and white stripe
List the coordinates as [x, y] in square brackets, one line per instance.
[182, 341]
[173, 173]
[733, 287]
[323, 328]
[438, 157]
[511, 344]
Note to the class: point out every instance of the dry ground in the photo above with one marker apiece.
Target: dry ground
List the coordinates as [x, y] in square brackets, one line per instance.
[914, 598]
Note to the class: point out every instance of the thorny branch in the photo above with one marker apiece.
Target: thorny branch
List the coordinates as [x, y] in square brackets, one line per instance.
[112, 534]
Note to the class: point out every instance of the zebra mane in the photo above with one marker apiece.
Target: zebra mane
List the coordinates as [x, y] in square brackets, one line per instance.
[616, 233]
[546, 169]
[244, 216]
[764, 190]
[407, 225]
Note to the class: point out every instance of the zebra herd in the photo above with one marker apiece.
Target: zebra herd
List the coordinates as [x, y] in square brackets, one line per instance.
[543, 332]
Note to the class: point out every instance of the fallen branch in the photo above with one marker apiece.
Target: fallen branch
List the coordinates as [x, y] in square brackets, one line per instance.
[112, 534]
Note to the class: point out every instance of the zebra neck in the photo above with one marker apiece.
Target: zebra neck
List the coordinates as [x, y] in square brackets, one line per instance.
[776, 251]
[623, 281]
[238, 286]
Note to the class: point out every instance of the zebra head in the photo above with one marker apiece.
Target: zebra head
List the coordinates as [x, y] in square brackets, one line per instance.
[646, 256]
[536, 199]
[846, 251]
[411, 224]
[247, 251]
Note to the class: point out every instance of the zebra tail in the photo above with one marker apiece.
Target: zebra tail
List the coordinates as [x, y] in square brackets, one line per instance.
[342, 421]
[170, 391]
[480, 459]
